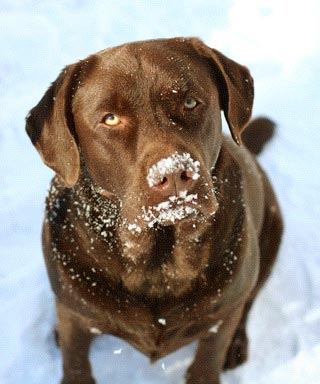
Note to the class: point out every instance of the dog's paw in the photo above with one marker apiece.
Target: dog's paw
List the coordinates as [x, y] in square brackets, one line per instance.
[194, 376]
[238, 350]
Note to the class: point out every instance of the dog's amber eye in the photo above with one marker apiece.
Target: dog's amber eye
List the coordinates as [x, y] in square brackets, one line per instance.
[111, 119]
[190, 103]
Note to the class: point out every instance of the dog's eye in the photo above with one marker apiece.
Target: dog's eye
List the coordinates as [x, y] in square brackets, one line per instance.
[190, 103]
[111, 119]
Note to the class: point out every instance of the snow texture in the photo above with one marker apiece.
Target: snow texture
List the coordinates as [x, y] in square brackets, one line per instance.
[279, 41]
[170, 211]
[170, 165]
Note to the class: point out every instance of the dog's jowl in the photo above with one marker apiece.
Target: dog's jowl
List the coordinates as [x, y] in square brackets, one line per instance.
[158, 229]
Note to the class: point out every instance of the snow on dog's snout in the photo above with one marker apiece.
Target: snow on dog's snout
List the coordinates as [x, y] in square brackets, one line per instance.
[178, 207]
[173, 164]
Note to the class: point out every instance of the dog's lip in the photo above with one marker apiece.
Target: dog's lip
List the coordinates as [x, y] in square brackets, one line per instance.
[175, 209]
[170, 215]
[184, 207]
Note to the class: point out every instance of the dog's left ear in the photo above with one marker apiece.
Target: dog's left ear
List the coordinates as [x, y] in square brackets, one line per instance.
[50, 127]
[235, 86]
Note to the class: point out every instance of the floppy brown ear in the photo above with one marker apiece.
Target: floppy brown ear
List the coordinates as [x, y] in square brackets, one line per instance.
[235, 87]
[50, 128]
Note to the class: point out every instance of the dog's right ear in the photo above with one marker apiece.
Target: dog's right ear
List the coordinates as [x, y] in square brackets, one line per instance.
[235, 85]
[50, 127]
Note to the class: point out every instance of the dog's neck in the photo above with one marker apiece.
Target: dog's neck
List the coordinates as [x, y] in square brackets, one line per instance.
[161, 260]
[165, 260]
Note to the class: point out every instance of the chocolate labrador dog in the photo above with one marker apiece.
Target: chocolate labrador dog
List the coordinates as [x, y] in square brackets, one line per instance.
[158, 228]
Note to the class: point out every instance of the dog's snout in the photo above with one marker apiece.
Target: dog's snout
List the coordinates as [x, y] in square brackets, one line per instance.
[173, 175]
[175, 183]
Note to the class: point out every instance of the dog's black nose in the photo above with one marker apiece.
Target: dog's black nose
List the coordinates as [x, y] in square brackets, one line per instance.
[174, 184]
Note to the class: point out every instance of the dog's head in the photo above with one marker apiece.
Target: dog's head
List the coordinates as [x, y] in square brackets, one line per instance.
[143, 120]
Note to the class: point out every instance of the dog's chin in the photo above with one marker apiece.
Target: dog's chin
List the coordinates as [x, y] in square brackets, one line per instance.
[153, 217]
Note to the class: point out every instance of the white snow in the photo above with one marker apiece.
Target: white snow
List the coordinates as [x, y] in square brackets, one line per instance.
[279, 41]
[172, 210]
[134, 228]
[169, 211]
[162, 321]
[216, 326]
[95, 331]
[172, 164]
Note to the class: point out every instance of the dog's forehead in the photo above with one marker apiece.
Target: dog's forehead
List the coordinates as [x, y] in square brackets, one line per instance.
[165, 62]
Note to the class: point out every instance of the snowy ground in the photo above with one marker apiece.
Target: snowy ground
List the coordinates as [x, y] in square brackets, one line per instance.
[279, 41]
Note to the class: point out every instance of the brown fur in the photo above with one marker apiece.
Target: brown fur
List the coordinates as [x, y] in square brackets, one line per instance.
[157, 286]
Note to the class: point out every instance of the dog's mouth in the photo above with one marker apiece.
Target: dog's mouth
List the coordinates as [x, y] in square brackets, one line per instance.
[173, 210]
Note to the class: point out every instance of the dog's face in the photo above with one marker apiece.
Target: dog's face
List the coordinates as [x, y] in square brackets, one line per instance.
[148, 123]
[145, 119]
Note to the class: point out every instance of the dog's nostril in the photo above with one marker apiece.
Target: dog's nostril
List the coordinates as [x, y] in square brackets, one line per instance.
[163, 181]
[173, 183]
[185, 176]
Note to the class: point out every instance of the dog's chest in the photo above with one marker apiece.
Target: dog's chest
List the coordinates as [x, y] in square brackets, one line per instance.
[86, 262]
[164, 333]
[155, 328]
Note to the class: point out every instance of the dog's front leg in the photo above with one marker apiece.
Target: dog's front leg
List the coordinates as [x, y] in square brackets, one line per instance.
[74, 341]
[211, 353]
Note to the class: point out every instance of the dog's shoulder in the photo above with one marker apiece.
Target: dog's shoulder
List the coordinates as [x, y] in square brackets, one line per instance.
[251, 176]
